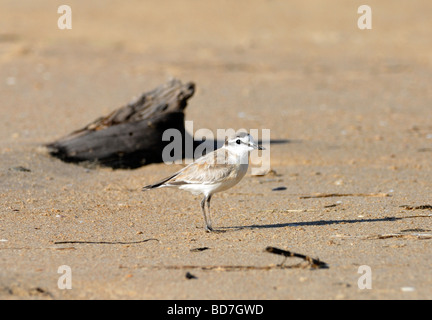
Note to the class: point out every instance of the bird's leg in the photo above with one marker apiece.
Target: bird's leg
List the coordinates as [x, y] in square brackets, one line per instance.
[208, 227]
[208, 212]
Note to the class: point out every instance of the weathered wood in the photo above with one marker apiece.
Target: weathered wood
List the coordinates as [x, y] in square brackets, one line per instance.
[130, 136]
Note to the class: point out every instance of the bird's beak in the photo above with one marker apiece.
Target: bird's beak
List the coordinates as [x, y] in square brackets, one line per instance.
[256, 146]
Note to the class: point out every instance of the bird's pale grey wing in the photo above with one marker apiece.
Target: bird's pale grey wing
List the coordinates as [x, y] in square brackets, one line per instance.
[172, 181]
[205, 174]
[209, 169]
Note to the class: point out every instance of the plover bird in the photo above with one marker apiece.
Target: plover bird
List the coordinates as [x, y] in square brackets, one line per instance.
[214, 172]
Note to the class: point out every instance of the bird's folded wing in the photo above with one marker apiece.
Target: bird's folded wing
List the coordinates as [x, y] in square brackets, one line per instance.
[209, 169]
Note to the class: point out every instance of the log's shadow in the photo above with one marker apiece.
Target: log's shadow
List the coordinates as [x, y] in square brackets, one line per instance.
[310, 223]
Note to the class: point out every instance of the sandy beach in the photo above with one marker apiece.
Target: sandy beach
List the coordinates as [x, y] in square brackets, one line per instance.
[349, 112]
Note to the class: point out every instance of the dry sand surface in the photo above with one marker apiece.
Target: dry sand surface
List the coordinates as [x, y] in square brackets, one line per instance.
[349, 111]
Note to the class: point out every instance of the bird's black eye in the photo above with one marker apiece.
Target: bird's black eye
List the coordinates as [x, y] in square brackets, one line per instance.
[238, 141]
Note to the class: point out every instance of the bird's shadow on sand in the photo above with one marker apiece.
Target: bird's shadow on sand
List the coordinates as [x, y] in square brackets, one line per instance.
[306, 223]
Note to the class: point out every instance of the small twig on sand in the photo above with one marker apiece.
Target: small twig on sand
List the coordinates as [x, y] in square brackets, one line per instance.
[330, 195]
[419, 236]
[422, 207]
[105, 242]
[215, 267]
[199, 249]
[221, 267]
[314, 263]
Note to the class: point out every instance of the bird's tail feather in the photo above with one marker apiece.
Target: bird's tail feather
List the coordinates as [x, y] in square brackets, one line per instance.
[160, 183]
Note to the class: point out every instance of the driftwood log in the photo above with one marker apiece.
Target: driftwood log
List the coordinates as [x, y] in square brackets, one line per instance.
[131, 136]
